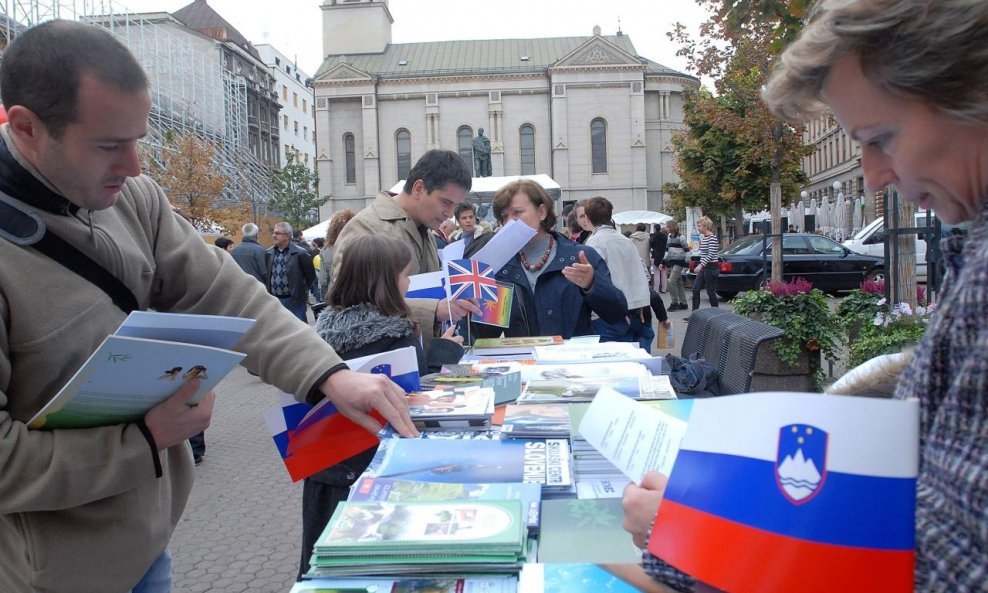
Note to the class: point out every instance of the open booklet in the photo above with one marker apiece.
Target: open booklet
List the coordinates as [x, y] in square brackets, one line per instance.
[141, 365]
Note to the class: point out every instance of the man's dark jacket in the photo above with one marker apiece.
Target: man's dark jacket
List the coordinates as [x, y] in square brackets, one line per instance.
[252, 258]
[301, 273]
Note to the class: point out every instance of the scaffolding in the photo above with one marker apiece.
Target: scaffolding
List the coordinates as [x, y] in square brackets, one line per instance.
[191, 91]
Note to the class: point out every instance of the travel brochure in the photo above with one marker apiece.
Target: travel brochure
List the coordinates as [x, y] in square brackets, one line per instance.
[391, 490]
[141, 365]
[464, 408]
[375, 538]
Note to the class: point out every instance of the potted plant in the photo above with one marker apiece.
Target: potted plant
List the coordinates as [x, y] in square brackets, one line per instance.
[801, 311]
[859, 308]
[891, 330]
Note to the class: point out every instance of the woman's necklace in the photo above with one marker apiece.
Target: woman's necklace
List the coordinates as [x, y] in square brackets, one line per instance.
[538, 265]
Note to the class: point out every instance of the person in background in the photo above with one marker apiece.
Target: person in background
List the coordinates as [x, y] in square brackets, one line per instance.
[224, 244]
[366, 314]
[675, 262]
[708, 270]
[466, 217]
[628, 273]
[576, 232]
[316, 248]
[91, 510]
[557, 283]
[250, 256]
[336, 224]
[639, 238]
[443, 233]
[290, 270]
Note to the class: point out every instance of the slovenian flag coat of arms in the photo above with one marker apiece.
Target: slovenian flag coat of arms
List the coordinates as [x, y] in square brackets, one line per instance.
[783, 492]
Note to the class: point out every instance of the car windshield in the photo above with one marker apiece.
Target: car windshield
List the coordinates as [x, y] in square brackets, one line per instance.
[750, 245]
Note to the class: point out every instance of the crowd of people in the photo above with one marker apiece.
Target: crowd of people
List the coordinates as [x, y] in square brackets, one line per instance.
[906, 78]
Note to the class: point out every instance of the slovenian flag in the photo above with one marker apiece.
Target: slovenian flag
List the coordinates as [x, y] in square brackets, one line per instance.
[775, 492]
[313, 438]
[431, 285]
[471, 279]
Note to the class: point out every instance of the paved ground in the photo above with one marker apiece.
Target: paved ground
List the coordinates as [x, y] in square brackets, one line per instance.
[241, 530]
[242, 527]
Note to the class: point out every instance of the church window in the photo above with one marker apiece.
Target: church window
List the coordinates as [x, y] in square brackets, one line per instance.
[351, 158]
[403, 147]
[527, 142]
[464, 143]
[598, 145]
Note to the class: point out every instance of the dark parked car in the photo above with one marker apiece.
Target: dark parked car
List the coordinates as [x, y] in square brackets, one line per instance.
[823, 262]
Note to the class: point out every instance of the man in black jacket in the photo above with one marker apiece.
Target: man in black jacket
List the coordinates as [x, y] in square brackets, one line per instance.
[290, 271]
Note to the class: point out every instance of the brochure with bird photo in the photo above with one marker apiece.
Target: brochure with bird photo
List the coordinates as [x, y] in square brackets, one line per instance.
[134, 369]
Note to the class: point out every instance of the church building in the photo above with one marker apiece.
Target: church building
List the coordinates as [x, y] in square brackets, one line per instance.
[587, 111]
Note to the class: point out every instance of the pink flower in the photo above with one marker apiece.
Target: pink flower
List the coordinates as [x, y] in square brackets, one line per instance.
[792, 288]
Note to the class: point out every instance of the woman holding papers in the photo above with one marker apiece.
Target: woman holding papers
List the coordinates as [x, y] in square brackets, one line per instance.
[908, 79]
[557, 282]
[366, 315]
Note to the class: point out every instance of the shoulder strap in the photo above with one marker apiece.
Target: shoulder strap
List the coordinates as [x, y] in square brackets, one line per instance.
[27, 229]
[59, 250]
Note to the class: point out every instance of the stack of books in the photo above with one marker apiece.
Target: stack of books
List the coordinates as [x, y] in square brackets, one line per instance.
[393, 490]
[462, 408]
[408, 538]
[580, 353]
[512, 348]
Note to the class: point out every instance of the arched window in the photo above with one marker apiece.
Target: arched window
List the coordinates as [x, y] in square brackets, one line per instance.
[598, 145]
[403, 146]
[464, 141]
[526, 136]
[351, 158]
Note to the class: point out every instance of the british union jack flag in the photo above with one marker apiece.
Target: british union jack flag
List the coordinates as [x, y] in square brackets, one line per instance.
[469, 279]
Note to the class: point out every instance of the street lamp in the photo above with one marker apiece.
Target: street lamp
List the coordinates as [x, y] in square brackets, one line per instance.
[804, 194]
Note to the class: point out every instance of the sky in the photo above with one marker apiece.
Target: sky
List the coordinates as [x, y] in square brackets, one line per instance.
[294, 27]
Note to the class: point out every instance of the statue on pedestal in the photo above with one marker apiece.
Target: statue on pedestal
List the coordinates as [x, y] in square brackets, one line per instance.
[481, 155]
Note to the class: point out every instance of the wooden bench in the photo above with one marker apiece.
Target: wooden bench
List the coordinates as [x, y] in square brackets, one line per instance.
[728, 342]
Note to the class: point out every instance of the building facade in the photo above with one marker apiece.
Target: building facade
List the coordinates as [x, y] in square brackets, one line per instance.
[588, 111]
[296, 119]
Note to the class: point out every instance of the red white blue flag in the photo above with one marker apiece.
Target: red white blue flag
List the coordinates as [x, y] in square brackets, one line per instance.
[471, 279]
[313, 438]
[776, 492]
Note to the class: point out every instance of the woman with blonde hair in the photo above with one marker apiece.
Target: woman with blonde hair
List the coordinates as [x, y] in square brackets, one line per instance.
[708, 270]
[908, 80]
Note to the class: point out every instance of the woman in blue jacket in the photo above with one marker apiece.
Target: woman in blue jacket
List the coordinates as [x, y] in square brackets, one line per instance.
[557, 282]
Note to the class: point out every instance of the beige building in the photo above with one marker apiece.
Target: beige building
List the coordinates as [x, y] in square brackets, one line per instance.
[588, 111]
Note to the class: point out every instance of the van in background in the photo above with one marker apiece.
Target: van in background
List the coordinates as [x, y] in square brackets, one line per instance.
[871, 241]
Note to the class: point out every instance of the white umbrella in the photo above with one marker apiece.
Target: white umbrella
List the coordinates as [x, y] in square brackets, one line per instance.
[641, 216]
[799, 216]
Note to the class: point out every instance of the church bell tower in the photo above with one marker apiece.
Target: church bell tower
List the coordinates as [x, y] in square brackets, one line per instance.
[355, 26]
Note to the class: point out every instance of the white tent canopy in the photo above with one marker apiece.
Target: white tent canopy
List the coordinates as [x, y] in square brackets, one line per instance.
[641, 216]
[486, 187]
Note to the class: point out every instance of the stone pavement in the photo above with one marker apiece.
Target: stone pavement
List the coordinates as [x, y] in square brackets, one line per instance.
[241, 530]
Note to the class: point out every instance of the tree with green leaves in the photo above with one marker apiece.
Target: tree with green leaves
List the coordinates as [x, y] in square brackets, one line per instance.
[294, 194]
[738, 46]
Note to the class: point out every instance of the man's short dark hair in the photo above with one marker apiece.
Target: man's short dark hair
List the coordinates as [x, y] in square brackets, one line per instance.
[44, 65]
[436, 168]
[598, 210]
[463, 207]
[222, 242]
